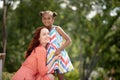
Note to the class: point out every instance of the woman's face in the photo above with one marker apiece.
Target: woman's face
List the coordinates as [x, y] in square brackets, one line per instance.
[47, 19]
[44, 36]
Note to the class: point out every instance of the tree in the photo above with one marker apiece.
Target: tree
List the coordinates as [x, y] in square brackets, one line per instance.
[94, 38]
[4, 37]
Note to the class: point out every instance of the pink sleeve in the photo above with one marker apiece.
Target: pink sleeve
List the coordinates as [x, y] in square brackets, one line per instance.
[41, 58]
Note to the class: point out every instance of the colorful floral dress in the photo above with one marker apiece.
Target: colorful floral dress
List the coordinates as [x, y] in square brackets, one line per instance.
[64, 65]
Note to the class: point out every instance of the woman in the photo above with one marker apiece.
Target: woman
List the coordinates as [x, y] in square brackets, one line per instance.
[34, 67]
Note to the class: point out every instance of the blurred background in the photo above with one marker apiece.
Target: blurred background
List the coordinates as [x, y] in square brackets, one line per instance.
[93, 25]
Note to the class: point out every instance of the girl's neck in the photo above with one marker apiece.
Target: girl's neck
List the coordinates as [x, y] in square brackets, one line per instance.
[49, 27]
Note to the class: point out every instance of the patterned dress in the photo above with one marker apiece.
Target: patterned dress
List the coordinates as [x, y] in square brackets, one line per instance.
[64, 65]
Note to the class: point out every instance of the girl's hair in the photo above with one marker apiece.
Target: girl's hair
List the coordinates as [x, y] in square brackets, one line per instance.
[34, 42]
[54, 14]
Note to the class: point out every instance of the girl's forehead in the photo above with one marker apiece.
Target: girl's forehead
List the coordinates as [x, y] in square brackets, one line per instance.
[46, 14]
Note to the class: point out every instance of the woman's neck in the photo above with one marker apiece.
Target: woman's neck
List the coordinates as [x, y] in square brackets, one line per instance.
[44, 45]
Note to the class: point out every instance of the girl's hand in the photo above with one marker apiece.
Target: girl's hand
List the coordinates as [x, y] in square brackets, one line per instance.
[57, 51]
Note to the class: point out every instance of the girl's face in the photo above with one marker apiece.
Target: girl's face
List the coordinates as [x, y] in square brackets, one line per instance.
[47, 19]
[44, 36]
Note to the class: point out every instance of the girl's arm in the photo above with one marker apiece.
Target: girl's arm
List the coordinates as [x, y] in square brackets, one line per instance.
[65, 36]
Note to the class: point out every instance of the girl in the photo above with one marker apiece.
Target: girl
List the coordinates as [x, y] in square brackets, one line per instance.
[34, 67]
[57, 45]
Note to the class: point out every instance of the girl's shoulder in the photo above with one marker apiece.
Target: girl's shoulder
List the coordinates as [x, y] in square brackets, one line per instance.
[57, 27]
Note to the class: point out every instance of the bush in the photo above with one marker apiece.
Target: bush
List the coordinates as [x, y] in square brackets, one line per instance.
[7, 76]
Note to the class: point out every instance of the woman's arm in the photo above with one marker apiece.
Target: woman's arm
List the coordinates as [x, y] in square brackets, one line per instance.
[41, 61]
[41, 58]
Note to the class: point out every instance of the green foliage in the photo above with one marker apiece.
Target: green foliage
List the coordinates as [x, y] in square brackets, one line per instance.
[72, 75]
[95, 41]
[7, 76]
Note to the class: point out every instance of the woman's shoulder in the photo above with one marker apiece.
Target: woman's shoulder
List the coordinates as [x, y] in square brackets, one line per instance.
[40, 48]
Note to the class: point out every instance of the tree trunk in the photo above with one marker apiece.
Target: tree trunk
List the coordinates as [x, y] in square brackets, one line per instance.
[2, 55]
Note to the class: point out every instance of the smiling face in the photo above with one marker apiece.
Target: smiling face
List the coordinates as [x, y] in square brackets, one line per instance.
[47, 19]
[44, 36]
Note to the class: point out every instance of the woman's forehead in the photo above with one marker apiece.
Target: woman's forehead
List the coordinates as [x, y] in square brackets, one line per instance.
[44, 30]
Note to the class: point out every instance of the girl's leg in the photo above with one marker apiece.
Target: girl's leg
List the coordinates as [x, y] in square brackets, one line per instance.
[60, 76]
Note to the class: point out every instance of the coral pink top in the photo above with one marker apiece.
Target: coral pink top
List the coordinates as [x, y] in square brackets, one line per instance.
[33, 65]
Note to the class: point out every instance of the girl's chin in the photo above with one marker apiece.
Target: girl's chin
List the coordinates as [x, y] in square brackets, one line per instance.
[47, 25]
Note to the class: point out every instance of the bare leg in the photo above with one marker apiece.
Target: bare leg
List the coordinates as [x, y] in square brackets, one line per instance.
[60, 76]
